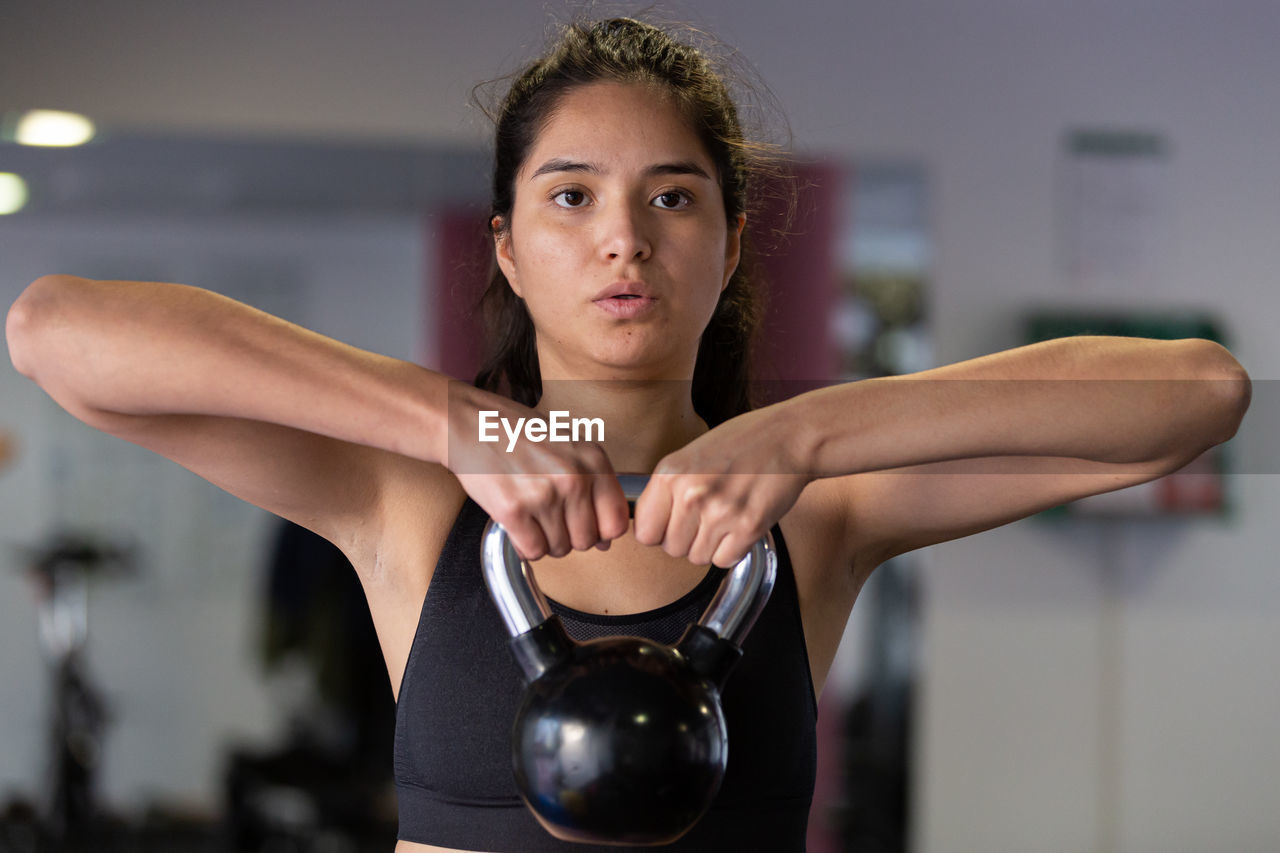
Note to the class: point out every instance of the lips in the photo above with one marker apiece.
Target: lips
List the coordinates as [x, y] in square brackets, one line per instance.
[626, 290]
[626, 307]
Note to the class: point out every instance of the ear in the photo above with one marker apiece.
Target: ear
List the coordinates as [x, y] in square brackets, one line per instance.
[733, 249]
[502, 249]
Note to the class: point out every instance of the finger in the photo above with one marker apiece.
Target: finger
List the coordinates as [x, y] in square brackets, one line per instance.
[680, 534]
[612, 515]
[730, 551]
[685, 520]
[653, 510]
[741, 538]
[580, 513]
[526, 537]
[705, 545]
[549, 516]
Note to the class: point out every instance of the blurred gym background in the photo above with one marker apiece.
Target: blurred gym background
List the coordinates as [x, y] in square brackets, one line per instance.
[180, 671]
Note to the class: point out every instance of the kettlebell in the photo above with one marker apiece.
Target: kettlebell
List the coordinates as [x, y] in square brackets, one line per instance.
[621, 740]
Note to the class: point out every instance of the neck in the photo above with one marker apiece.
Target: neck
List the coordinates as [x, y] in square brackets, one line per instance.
[644, 420]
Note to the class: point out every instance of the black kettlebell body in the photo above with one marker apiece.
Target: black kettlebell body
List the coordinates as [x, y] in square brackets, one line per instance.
[622, 740]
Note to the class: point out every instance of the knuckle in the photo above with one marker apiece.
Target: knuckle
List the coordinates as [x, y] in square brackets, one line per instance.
[745, 536]
[729, 552]
[558, 468]
[692, 497]
[578, 487]
[722, 510]
[529, 549]
[667, 468]
[504, 508]
[540, 491]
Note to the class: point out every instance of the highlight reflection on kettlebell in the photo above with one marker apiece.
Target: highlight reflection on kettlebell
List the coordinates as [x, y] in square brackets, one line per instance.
[622, 740]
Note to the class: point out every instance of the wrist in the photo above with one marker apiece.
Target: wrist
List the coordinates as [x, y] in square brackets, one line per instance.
[464, 404]
[429, 418]
[801, 436]
[830, 429]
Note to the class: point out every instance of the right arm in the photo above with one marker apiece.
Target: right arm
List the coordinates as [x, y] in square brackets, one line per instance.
[297, 423]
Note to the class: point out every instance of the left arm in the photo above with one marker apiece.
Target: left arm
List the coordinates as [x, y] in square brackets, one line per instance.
[944, 453]
[981, 443]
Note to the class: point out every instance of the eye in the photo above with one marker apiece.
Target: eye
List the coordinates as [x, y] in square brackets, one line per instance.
[672, 200]
[570, 198]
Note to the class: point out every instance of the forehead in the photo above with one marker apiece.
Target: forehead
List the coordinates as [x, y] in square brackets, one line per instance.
[617, 126]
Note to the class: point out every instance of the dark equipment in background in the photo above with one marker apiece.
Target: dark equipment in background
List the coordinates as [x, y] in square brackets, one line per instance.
[877, 748]
[61, 569]
[332, 777]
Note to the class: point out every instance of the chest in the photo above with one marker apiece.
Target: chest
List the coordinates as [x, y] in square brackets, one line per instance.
[628, 578]
[633, 578]
[461, 689]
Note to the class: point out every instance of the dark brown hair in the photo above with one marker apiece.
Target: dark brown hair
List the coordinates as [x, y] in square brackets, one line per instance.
[627, 50]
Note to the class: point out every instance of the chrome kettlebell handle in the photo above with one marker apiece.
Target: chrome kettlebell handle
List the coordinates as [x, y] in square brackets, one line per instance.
[732, 612]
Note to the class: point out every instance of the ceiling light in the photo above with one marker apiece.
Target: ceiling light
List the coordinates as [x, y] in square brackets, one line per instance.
[13, 193]
[51, 127]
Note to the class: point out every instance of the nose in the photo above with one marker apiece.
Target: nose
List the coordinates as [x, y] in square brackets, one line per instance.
[624, 234]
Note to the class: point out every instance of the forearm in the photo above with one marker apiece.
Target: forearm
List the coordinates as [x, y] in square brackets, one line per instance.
[142, 349]
[1115, 400]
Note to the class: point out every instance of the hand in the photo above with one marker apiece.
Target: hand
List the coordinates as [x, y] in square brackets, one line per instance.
[712, 499]
[550, 497]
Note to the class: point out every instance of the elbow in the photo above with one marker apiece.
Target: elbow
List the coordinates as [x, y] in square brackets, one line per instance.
[1239, 393]
[1226, 384]
[29, 316]
[20, 327]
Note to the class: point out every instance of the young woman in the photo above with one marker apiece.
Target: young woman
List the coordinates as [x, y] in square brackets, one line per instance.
[620, 188]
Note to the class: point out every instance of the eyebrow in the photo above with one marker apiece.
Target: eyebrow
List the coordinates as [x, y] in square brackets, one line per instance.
[681, 167]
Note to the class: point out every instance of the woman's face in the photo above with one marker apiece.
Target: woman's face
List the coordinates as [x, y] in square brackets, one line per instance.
[618, 242]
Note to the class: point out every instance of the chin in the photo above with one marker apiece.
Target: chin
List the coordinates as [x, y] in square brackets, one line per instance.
[631, 361]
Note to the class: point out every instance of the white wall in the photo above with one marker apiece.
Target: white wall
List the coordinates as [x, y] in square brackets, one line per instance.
[1084, 690]
[1088, 690]
[174, 649]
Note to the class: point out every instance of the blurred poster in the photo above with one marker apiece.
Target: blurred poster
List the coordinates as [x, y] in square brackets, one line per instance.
[880, 318]
[1114, 196]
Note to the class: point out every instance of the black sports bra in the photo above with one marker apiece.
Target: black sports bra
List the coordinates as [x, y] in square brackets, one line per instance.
[461, 688]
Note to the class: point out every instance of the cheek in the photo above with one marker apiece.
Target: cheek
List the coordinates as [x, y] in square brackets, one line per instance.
[539, 241]
[547, 245]
[546, 264]
[707, 257]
